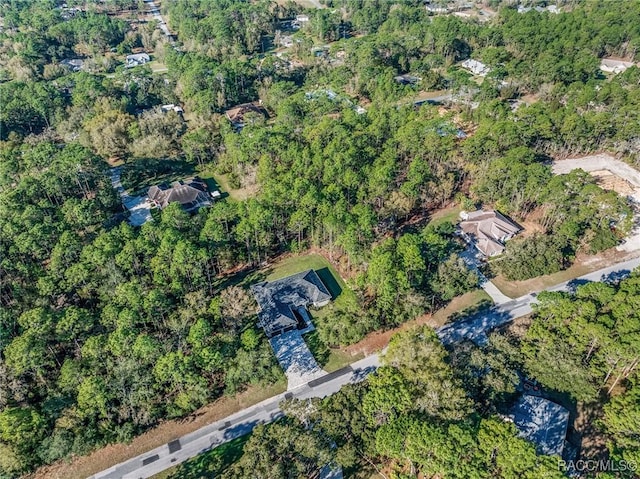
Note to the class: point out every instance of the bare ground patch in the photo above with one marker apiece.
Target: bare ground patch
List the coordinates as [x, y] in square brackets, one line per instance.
[610, 181]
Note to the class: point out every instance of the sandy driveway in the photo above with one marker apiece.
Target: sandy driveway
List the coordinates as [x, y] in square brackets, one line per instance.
[606, 162]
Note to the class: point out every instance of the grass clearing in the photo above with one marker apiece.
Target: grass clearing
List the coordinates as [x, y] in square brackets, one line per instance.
[449, 214]
[329, 359]
[461, 306]
[238, 194]
[157, 66]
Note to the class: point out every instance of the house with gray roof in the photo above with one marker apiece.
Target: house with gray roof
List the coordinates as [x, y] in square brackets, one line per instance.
[284, 302]
[191, 194]
[542, 422]
[487, 230]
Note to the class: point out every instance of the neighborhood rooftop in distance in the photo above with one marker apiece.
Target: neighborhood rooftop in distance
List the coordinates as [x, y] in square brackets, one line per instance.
[282, 299]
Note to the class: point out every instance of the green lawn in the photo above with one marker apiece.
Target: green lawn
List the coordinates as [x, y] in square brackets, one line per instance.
[340, 293]
[329, 359]
[209, 464]
[238, 194]
[450, 214]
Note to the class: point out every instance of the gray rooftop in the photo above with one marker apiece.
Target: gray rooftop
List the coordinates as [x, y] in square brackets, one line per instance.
[191, 194]
[278, 298]
[542, 422]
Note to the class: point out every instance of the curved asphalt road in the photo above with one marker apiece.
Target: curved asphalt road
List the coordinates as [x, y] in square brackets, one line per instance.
[242, 422]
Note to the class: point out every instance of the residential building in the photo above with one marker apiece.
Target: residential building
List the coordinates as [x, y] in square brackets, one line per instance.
[475, 67]
[542, 422]
[487, 230]
[284, 302]
[137, 59]
[236, 115]
[177, 108]
[614, 65]
[191, 194]
[73, 64]
[549, 8]
[431, 8]
[407, 79]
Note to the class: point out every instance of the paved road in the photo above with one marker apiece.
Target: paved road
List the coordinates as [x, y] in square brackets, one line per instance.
[234, 426]
[155, 12]
[242, 422]
[476, 327]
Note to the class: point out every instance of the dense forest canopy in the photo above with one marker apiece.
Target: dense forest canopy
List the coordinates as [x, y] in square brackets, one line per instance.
[106, 328]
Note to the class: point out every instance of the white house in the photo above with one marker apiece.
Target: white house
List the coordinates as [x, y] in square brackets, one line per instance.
[475, 67]
[177, 108]
[137, 59]
[612, 65]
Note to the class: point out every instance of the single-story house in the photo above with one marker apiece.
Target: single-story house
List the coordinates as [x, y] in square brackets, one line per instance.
[177, 108]
[475, 67]
[136, 60]
[437, 8]
[549, 8]
[542, 422]
[407, 79]
[487, 230]
[613, 65]
[284, 302]
[236, 114]
[191, 194]
[73, 64]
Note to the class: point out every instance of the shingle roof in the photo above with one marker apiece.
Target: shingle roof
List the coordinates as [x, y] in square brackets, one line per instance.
[542, 422]
[488, 229]
[277, 299]
[236, 114]
[190, 195]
